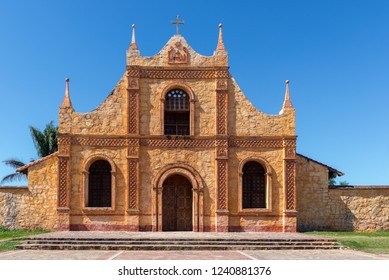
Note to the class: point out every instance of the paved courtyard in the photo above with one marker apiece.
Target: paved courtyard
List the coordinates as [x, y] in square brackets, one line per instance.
[343, 254]
[191, 255]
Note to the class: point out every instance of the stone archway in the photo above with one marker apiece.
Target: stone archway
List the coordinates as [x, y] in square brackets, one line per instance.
[197, 194]
[177, 204]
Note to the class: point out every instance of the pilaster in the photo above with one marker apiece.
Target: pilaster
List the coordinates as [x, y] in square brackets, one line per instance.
[64, 182]
[289, 217]
[222, 211]
[133, 100]
[133, 185]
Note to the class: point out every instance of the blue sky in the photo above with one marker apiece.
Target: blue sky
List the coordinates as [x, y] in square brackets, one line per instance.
[335, 53]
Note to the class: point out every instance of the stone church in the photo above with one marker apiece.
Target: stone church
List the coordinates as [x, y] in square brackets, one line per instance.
[176, 146]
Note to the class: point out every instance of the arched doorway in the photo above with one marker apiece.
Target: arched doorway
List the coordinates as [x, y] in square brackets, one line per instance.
[177, 204]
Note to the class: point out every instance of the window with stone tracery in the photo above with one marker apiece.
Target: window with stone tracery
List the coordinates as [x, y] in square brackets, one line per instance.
[253, 185]
[177, 113]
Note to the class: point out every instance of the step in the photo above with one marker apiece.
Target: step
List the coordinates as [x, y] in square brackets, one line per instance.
[74, 241]
[171, 247]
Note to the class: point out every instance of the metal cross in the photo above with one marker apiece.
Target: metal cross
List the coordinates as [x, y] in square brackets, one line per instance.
[177, 22]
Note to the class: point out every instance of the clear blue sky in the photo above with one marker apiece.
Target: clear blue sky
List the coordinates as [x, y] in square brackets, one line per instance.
[335, 53]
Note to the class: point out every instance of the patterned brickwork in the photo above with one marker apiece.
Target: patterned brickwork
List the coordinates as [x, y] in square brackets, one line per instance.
[222, 199]
[182, 74]
[133, 111]
[63, 182]
[132, 183]
[104, 142]
[256, 143]
[64, 140]
[180, 143]
[290, 184]
[221, 111]
[135, 73]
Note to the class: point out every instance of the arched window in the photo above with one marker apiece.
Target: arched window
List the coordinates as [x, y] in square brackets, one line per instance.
[177, 113]
[253, 185]
[99, 184]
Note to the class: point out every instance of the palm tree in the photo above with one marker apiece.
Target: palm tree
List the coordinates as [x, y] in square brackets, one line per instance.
[45, 144]
[13, 163]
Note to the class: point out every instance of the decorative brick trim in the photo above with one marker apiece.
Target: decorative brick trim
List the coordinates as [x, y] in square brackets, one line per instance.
[179, 142]
[221, 112]
[256, 142]
[133, 171]
[63, 182]
[290, 184]
[176, 142]
[133, 72]
[222, 184]
[64, 140]
[133, 111]
[179, 73]
[104, 141]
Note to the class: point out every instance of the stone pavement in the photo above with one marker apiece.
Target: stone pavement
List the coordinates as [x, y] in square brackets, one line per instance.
[186, 255]
[191, 255]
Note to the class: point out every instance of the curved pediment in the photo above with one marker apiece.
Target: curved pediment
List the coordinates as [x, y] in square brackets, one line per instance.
[177, 53]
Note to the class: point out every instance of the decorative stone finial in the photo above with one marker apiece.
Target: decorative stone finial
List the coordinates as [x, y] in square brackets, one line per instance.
[220, 44]
[133, 45]
[287, 102]
[66, 100]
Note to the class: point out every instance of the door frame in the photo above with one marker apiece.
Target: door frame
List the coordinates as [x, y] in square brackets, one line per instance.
[170, 191]
[197, 195]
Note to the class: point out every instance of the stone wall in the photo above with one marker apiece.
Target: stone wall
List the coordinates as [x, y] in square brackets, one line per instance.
[108, 118]
[128, 127]
[256, 123]
[35, 206]
[359, 208]
[341, 208]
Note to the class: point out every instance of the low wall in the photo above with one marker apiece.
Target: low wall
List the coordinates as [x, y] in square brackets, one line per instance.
[32, 207]
[11, 203]
[352, 208]
[359, 208]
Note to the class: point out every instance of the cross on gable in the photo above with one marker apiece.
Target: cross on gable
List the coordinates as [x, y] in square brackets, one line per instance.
[177, 23]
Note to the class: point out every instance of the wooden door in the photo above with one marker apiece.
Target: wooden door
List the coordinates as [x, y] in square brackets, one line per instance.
[177, 204]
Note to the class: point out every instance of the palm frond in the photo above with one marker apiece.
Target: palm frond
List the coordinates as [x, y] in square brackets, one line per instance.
[12, 178]
[45, 142]
[14, 163]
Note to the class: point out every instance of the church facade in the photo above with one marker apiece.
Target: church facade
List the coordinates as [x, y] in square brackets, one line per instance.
[176, 146]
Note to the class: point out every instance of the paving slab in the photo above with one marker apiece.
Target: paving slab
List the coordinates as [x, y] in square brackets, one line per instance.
[190, 255]
[185, 255]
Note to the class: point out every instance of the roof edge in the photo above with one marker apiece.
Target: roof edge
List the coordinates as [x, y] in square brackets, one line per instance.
[330, 169]
[24, 169]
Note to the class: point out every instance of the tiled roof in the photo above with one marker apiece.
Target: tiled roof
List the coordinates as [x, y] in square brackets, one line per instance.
[24, 169]
[330, 169]
[360, 187]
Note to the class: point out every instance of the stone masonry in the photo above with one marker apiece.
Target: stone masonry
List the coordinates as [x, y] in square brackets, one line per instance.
[225, 132]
